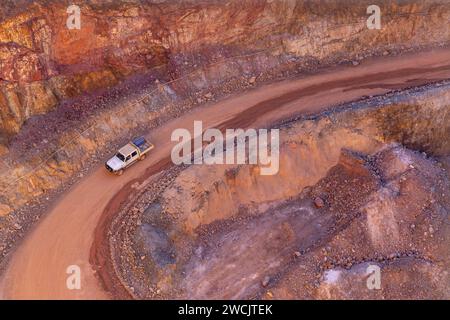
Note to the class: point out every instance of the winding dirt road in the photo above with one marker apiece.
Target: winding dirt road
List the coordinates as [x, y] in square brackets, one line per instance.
[65, 235]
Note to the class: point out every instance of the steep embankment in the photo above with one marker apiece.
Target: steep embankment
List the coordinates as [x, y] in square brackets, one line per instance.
[43, 62]
[354, 189]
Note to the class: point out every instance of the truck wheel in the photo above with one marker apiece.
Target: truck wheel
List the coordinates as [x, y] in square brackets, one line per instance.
[142, 157]
[120, 172]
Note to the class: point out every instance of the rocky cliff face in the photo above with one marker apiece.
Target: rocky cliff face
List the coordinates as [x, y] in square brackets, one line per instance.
[42, 62]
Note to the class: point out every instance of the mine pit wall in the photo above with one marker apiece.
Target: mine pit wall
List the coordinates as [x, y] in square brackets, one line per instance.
[265, 39]
[199, 196]
[42, 63]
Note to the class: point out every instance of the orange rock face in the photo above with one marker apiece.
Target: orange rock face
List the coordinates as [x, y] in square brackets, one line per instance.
[119, 39]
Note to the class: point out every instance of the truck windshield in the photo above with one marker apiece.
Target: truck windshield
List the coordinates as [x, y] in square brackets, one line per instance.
[121, 157]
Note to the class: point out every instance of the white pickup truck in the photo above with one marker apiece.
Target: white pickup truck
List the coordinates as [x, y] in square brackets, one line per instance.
[128, 154]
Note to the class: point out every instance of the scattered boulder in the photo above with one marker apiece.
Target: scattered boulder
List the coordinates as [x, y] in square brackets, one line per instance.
[4, 210]
[318, 202]
[3, 150]
[265, 281]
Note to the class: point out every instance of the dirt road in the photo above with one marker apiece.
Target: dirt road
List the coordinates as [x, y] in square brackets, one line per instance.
[64, 237]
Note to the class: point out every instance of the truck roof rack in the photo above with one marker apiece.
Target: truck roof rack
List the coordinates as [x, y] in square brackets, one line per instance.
[139, 141]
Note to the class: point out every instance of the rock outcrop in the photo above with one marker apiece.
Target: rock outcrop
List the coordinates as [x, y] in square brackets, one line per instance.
[42, 62]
